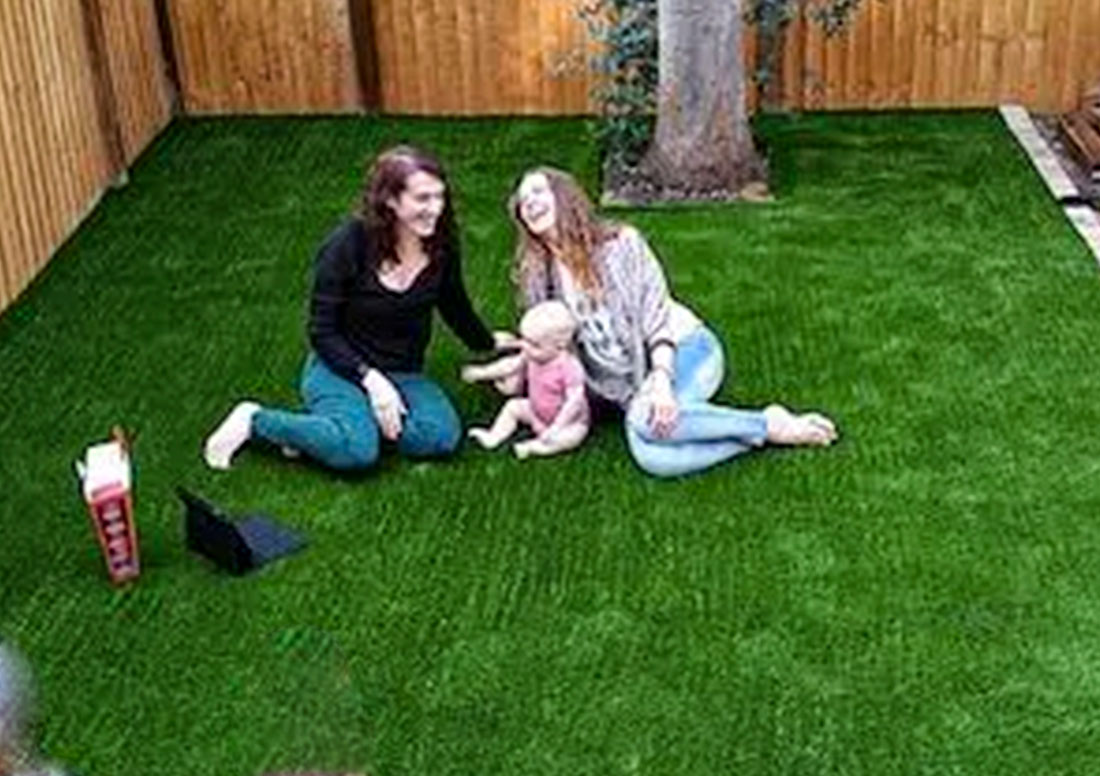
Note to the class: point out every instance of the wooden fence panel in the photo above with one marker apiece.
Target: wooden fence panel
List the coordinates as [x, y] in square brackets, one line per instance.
[948, 54]
[54, 160]
[473, 57]
[52, 157]
[257, 56]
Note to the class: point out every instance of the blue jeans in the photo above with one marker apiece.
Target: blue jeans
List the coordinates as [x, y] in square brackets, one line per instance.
[705, 434]
[338, 428]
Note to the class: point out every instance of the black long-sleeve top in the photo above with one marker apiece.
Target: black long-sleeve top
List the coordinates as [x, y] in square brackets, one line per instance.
[356, 323]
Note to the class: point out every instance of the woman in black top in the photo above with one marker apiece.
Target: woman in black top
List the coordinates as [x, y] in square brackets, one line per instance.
[377, 279]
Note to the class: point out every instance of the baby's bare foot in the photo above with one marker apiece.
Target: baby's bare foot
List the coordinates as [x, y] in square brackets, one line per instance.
[522, 450]
[483, 437]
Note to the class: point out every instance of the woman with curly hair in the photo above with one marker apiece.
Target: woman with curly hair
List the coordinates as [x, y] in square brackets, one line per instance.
[377, 279]
[643, 351]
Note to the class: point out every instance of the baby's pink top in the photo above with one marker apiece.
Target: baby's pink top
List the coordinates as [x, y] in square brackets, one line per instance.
[547, 384]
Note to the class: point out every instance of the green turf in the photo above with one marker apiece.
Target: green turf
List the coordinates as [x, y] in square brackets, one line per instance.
[921, 599]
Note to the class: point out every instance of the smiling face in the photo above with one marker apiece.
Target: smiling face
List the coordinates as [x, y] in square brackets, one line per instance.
[536, 206]
[420, 204]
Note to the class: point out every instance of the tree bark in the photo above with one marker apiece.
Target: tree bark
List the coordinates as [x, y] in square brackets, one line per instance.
[702, 146]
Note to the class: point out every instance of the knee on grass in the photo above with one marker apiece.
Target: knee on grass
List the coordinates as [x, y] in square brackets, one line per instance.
[358, 453]
[654, 460]
[439, 438]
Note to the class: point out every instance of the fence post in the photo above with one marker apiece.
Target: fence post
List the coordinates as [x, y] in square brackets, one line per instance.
[360, 13]
[105, 98]
[168, 51]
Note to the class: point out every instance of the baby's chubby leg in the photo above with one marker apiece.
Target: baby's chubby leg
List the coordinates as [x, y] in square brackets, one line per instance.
[553, 442]
[514, 412]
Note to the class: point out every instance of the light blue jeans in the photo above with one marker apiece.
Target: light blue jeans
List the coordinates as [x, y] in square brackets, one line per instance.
[338, 428]
[705, 434]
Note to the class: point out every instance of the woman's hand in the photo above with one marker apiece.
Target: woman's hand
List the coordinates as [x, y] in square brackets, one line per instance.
[505, 340]
[664, 410]
[386, 403]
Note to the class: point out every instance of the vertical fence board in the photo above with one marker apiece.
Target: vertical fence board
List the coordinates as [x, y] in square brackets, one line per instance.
[970, 30]
[903, 68]
[465, 62]
[1081, 71]
[1034, 33]
[813, 66]
[834, 71]
[1054, 50]
[14, 228]
[881, 53]
[991, 49]
[29, 128]
[792, 67]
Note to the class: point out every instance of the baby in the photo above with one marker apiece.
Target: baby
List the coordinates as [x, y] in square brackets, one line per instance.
[18, 753]
[555, 407]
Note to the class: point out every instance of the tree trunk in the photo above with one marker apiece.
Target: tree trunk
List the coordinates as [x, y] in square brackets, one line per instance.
[702, 148]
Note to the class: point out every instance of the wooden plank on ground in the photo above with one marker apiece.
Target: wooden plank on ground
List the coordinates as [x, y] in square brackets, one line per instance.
[1086, 221]
[1039, 152]
[1082, 139]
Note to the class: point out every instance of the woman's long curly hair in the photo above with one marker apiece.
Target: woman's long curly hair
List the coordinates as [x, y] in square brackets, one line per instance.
[580, 234]
[386, 178]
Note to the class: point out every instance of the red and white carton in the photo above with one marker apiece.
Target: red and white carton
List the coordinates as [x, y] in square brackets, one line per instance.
[105, 478]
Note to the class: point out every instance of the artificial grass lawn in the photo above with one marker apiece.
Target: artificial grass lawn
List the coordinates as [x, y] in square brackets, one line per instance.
[921, 599]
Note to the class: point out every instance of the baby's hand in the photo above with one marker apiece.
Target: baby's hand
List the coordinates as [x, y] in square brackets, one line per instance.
[469, 374]
[505, 340]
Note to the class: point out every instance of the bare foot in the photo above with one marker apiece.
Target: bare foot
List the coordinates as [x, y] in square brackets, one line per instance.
[230, 435]
[822, 422]
[484, 438]
[786, 428]
[522, 450]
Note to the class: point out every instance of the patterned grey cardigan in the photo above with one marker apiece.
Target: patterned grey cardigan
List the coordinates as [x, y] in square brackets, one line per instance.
[635, 292]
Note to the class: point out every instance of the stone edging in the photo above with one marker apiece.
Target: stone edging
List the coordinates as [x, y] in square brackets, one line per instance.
[1079, 213]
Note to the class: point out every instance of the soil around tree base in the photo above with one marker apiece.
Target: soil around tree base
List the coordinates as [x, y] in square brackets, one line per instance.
[632, 187]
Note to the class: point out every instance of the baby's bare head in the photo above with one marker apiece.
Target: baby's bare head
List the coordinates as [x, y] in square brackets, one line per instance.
[548, 323]
[16, 703]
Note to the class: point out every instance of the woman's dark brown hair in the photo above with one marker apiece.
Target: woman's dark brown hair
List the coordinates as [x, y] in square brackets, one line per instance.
[387, 176]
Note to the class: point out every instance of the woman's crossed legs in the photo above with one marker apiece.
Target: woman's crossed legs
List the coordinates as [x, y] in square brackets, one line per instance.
[338, 428]
[707, 434]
